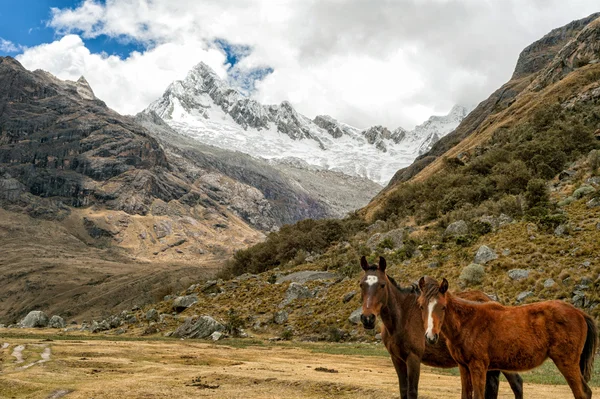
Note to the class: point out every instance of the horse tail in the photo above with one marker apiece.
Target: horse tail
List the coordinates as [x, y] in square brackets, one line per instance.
[586, 361]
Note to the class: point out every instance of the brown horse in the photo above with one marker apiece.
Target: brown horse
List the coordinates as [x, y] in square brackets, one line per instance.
[403, 334]
[482, 336]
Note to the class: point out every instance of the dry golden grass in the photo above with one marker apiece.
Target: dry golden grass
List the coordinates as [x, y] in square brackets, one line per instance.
[83, 369]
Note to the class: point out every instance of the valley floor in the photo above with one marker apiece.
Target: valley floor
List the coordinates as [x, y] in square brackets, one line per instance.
[73, 367]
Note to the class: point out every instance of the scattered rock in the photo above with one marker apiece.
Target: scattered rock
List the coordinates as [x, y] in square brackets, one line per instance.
[296, 291]
[524, 295]
[579, 299]
[35, 319]
[458, 228]
[593, 203]
[280, 317]
[348, 297]
[484, 255]
[560, 230]
[586, 263]
[198, 327]
[566, 174]
[152, 315]
[217, 335]
[493, 297]
[518, 274]
[57, 322]
[181, 303]
[549, 283]
[505, 252]
[496, 222]
[304, 276]
[594, 180]
[163, 228]
[114, 321]
[433, 265]
[378, 336]
[355, 316]
[97, 327]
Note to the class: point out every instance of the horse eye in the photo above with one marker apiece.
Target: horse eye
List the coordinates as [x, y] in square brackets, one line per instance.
[382, 285]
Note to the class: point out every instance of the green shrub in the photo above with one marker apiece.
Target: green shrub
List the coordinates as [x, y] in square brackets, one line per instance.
[472, 274]
[537, 193]
[234, 323]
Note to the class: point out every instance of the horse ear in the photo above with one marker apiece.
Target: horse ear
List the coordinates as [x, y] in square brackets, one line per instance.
[444, 286]
[422, 283]
[382, 263]
[364, 264]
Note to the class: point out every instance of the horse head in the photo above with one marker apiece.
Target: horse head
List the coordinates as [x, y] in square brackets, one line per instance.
[373, 287]
[433, 306]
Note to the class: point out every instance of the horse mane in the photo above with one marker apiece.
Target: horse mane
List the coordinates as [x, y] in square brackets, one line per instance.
[413, 289]
[430, 288]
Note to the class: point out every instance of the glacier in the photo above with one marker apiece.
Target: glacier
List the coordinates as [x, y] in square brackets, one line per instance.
[206, 108]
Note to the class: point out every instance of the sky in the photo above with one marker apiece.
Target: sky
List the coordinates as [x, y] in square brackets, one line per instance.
[364, 62]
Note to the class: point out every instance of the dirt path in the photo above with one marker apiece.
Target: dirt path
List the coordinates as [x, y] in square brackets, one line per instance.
[81, 369]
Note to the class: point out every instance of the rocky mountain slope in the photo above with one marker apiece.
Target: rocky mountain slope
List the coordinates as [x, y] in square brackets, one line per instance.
[206, 108]
[508, 203]
[133, 205]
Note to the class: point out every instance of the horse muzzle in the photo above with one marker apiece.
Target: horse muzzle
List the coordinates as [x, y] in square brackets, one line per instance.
[368, 322]
[432, 338]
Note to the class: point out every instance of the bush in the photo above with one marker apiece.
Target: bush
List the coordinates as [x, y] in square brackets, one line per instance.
[594, 160]
[234, 323]
[537, 193]
[473, 274]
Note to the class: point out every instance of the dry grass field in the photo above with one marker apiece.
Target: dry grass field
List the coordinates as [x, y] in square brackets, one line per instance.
[78, 367]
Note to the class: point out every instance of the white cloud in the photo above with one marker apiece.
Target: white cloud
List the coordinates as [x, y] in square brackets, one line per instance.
[390, 62]
[9, 47]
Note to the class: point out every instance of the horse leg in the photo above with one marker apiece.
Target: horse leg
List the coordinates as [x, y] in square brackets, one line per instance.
[465, 382]
[516, 384]
[414, 372]
[402, 372]
[492, 383]
[572, 373]
[478, 371]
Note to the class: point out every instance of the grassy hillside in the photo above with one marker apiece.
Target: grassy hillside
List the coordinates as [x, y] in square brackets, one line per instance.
[532, 158]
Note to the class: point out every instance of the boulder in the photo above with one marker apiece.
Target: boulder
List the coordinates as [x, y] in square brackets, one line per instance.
[433, 265]
[97, 327]
[396, 237]
[217, 335]
[181, 303]
[307, 275]
[198, 327]
[280, 317]
[484, 255]
[458, 228]
[560, 230]
[152, 315]
[296, 291]
[518, 274]
[34, 319]
[355, 316]
[549, 283]
[57, 322]
[593, 203]
[524, 295]
[348, 297]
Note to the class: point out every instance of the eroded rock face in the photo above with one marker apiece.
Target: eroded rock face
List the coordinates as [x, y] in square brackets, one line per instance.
[183, 302]
[198, 327]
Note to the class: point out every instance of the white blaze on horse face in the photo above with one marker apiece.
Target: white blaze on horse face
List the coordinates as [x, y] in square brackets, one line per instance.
[429, 332]
[371, 280]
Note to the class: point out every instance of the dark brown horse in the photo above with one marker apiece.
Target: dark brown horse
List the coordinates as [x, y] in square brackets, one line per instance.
[482, 336]
[403, 334]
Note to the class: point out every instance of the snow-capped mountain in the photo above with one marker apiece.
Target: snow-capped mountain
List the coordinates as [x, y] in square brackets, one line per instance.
[206, 108]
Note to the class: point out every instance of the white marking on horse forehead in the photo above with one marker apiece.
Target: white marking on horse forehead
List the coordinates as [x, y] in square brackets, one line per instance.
[371, 280]
[430, 307]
